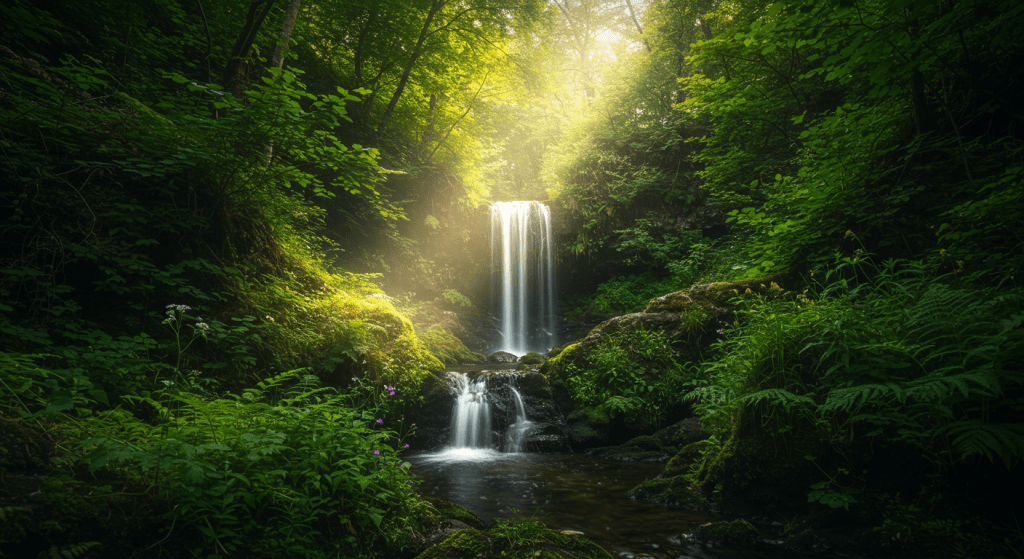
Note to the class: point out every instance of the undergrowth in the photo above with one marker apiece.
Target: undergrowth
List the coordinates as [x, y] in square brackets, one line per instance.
[877, 356]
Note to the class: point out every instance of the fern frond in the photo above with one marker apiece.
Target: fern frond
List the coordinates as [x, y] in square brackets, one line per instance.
[73, 551]
[994, 441]
[9, 513]
[780, 396]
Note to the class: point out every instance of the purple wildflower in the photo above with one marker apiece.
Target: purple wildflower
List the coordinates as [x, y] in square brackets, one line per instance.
[380, 422]
[376, 453]
[720, 332]
[392, 392]
[406, 445]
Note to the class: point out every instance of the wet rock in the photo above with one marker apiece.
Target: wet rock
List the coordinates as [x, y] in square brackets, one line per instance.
[644, 448]
[432, 418]
[502, 357]
[736, 532]
[682, 433]
[674, 493]
[514, 539]
[684, 460]
[452, 511]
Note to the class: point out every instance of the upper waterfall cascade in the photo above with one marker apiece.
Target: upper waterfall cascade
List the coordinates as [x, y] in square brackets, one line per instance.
[523, 276]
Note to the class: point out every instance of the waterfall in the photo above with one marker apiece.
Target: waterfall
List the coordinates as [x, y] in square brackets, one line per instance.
[471, 422]
[523, 276]
[516, 434]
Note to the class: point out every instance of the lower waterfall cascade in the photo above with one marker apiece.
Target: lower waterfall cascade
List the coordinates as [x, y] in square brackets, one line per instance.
[471, 417]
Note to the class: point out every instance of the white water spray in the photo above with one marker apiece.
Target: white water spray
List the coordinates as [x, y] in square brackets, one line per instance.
[471, 422]
[523, 275]
[515, 436]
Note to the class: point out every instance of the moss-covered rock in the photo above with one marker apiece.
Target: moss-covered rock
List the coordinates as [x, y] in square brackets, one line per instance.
[684, 460]
[447, 348]
[532, 358]
[644, 448]
[755, 471]
[682, 433]
[738, 531]
[674, 492]
[448, 509]
[711, 298]
[514, 540]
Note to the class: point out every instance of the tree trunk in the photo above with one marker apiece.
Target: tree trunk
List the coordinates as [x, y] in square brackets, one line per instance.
[636, 22]
[277, 61]
[417, 51]
[258, 11]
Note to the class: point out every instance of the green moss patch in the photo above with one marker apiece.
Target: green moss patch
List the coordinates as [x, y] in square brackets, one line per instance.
[673, 492]
[447, 509]
[736, 532]
[447, 348]
[514, 539]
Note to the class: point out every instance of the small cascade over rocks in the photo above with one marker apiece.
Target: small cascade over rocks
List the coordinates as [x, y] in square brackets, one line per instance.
[471, 419]
[515, 435]
[523, 276]
[504, 411]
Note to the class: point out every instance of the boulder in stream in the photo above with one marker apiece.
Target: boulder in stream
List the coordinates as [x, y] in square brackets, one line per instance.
[502, 357]
[514, 538]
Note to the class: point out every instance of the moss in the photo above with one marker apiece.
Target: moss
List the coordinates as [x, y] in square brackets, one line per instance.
[753, 470]
[447, 348]
[673, 492]
[448, 509]
[700, 299]
[644, 442]
[514, 539]
[463, 544]
[685, 459]
[532, 358]
[737, 531]
[555, 367]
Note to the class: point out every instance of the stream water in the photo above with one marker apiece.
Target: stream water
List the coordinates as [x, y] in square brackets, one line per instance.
[571, 492]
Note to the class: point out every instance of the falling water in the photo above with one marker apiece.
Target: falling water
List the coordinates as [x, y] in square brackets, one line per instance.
[471, 422]
[523, 275]
[516, 434]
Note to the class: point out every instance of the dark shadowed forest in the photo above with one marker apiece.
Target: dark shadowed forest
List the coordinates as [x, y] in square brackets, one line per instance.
[243, 242]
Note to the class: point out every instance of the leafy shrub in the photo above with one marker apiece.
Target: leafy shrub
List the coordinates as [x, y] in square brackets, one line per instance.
[898, 359]
[284, 466]
[622, 295]
[632, 373]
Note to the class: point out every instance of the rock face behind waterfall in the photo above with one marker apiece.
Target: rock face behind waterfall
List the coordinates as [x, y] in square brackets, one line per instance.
[549, 432]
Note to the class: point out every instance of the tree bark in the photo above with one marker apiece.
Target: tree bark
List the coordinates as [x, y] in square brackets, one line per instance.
[417, 51]
[277, 61]
[258, 11]
[636, 22]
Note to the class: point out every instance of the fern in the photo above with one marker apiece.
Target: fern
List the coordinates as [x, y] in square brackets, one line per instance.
[9, 514]
[74, 551]
[994, 441]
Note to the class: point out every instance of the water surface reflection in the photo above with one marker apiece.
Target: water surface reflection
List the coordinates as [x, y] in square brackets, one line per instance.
[571, 492]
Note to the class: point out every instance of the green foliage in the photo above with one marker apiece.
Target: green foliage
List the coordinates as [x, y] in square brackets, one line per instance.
[75, 551]
[284, 464]
[885, 353]
[631, 373]
[622, 295]
[456, 299]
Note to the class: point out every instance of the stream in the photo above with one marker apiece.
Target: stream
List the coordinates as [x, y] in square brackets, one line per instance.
[571, 492]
